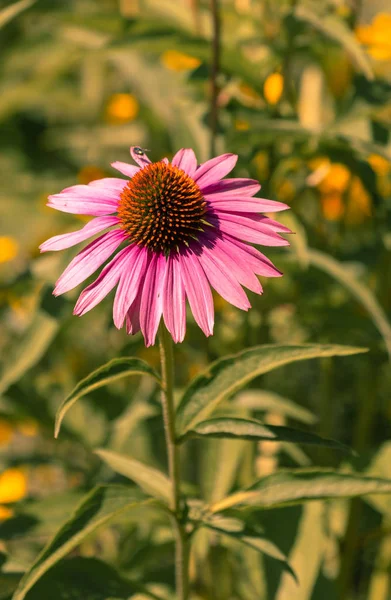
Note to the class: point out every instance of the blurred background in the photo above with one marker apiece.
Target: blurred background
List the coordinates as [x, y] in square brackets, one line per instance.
[301, 91]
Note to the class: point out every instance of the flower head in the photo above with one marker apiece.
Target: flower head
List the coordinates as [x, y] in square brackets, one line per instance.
[177, 229]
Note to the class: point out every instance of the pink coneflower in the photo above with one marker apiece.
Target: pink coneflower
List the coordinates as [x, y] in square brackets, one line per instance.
[181, 229]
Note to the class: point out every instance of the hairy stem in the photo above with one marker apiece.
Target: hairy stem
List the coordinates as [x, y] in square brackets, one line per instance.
[181, 539]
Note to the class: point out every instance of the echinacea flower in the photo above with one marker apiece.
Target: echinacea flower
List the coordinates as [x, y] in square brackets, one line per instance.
[179, 229]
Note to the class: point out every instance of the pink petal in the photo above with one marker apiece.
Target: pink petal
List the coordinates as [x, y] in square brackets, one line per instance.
[67, 240]
[220, 277]
[248, 230]
[113, 183]
[129, 285]
[125, 168]
[197, 290]
[257, 261]
[85, 200]
[185, 159]
[152, 298]
[133, 315]
[226, 202]
[98, 289]
[236, 262]
[89, 260]
[214, 169]
[174, 300]
[165, 161]
[233, 187]
[141, 159]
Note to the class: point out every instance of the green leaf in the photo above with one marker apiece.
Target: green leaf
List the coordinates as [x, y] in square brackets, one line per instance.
[13, 10]
[227, 375]
[335, 29]
[100, 506]
[300, 485]
[86, 578]
[343, 275]
[264, 400]
[250, 429]
[256, 542]
[28, 350]
[113, 370]
[150, 480]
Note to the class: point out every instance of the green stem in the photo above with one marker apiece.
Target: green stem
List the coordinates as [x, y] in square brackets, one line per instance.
[214, 73]
[181, 539]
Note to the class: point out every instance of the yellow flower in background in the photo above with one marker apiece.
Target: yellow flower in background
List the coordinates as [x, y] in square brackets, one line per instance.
[121, 108]
[261, 162]
[9, 248]
[6, 432]
[5, 513]
[28, 427]
[179, 61]
[359, 203]
[286, 191]
[333, 207]
[336, 179]
[273, 88]
[13, 486]
[379, 164]
[377, 37]
[90, 173]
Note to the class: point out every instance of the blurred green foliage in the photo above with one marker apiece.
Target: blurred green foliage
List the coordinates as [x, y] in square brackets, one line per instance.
[304, 99]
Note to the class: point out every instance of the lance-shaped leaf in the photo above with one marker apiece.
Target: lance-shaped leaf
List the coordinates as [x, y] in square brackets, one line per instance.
[301, 485]
[13, 10]
[113, 370]
[343, 275]
[152, 481]
[100, 506]
[254, 540]
[227, 375]
[250, 429]
[81, 577]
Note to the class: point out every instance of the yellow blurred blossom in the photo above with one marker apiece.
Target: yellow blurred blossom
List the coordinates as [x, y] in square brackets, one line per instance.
[9, 248]
[5, 513]
[332, 206]
[13, 485]
[359, 205]
[28, 427]
[241, 125]
[335, 177]
[376, 36]
[6, 432]
[286, 191]
[179, 61]
[90, 173]
[261, 162]
[273, 88]
[121, 108]
[379, 164]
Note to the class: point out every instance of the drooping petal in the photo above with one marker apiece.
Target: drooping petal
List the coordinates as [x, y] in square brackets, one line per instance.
[197, 290]
[152, 298]
[85, 200]
[98, 289]
[233, 187]
[125, 168]
[141, 159]
[221, 278]
[228, 203]
[133, 274]
[67, 240]
[236, 263]
[133, 315]
[89, 260]
[215, 168]
[174, 300]
[260, 264]
[275, 225]
[248, 230]
[185, 159]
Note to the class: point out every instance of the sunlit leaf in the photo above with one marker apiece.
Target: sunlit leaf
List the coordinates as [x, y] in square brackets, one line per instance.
[13, 10]
[113, 370]
[364, 295]
[227, 375]
[100, 506]
[151, 480]
[28, 350]
[300, 485]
